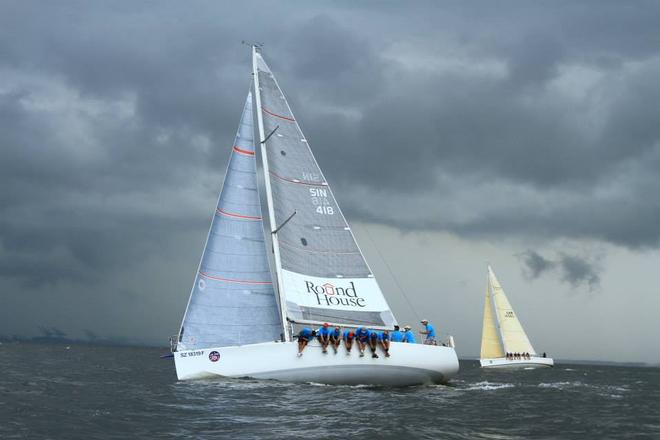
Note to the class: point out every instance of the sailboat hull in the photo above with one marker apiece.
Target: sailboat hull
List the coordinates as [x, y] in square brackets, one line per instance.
[409, 364]
[503, 363]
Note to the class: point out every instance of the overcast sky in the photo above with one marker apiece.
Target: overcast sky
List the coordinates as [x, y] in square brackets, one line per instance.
[524, 134]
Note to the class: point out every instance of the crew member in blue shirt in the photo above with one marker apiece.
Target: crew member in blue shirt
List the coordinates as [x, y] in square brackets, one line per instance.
[396, 335]
[335, 338]
[348, 337]
[305, 335]
[384, 340]
[408, 335]
[362, 336]
[429, 331]
[324, 336]
[373, 342]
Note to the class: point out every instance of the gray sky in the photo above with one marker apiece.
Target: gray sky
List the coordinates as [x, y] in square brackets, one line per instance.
[521, 134]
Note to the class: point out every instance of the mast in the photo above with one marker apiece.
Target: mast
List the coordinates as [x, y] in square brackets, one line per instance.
[269, 198]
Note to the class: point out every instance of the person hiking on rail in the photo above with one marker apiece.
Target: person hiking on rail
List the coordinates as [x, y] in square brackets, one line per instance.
[362, 336]
[335, 338]
[348, 337]
[305, 335]
[429, 331]
[324, 336]
[373, 342]
[384, 341]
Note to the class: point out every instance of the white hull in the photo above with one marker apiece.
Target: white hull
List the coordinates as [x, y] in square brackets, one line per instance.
[409, 364]
[504, 363]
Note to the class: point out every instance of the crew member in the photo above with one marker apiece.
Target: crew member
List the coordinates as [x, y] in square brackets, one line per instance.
[373, 342]
[348, 337]
[335, 338]
[305, 335]
[324, 336]
[429, 331]
[408, 335]
[362, 336]
[384, 340]
[396, 335]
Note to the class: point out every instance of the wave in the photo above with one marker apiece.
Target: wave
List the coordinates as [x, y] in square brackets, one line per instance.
[488, 386]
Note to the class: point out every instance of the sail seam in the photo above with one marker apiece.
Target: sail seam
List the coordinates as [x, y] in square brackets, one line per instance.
[277, 116]
[241, 151]
[231, 214]
[230, 280]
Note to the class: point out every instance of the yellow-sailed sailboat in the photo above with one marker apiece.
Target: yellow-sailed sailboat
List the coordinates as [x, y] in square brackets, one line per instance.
[504, 343]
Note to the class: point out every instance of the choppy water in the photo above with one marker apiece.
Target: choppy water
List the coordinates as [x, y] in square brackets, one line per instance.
[86, 392]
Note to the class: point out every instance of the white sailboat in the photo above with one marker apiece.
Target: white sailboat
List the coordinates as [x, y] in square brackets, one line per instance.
[504, 343]
[239, 322]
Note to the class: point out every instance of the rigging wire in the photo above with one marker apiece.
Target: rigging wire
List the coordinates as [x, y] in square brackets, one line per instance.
[396, 281]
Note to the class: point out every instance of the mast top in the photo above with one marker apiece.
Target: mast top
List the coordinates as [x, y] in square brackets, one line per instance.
[255, 45]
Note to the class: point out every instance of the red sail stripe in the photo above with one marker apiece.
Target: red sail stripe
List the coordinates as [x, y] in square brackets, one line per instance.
[230, 280]
[246, 152]
[230, 214]
[300, 182]
[278, 116]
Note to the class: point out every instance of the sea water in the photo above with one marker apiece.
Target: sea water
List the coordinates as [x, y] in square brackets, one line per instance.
[101, 392]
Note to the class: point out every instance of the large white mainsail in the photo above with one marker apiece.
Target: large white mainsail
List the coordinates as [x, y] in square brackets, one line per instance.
[514, 339]
[322, 274]
[232, 300]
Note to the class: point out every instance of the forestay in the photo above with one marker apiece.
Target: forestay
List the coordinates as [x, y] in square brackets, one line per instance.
[321, 271]
[514, 338]
[232, 301]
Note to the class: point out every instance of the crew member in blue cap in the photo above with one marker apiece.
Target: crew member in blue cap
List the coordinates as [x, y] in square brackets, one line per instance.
[362, 336]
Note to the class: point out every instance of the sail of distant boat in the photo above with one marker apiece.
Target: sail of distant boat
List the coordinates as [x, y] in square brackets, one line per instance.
[502, 331]
[491, 344]
[232, 300]
[321, 272]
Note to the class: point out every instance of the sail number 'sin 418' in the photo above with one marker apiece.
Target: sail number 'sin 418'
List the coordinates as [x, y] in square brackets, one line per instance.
[319, 197]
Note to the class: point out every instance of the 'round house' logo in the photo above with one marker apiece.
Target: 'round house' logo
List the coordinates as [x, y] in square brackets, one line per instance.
[214, 356]
[330, 295]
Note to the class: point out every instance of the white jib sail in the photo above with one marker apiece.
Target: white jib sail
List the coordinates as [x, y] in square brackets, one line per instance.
[322, 274]
[232, 301]
[514, 338]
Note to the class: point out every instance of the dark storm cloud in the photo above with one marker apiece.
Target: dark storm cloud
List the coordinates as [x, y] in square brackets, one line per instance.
[577, 271]
[482, 120]
[535, 264]
[573, 269]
